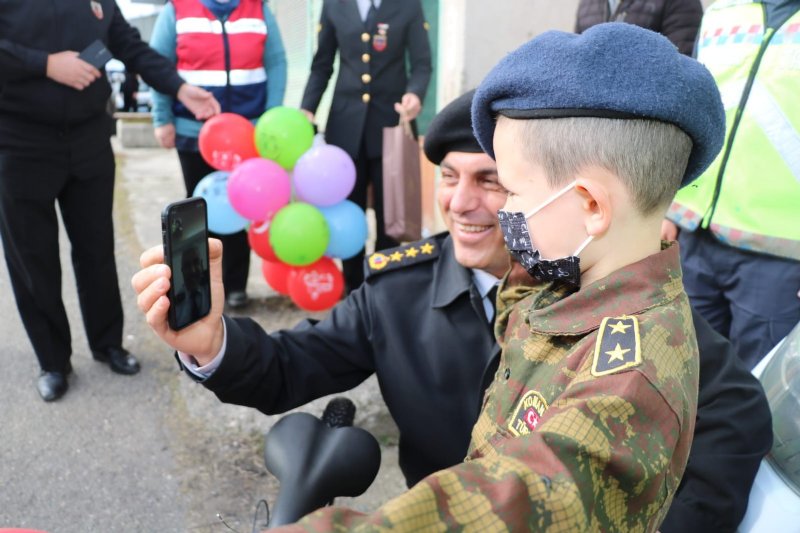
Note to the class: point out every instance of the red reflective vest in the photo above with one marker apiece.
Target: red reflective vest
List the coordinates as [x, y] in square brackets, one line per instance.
[226, 58]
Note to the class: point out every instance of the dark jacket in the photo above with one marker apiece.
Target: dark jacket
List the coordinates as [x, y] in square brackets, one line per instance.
[411, 326]
[29, 31]
[678, 20]
[422, 329]
[732, 434]
[382, 77]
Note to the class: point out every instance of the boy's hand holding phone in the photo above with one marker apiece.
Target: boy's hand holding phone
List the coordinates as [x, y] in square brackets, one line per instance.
[203, 339]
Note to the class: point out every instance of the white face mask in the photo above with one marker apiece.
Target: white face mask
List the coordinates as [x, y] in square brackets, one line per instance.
[516, 233]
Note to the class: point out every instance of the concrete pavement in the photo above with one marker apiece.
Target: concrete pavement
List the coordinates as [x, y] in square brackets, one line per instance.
[153, 452]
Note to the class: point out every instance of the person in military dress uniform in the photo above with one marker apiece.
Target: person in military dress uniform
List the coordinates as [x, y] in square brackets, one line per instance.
[373, 89]
[420, 322]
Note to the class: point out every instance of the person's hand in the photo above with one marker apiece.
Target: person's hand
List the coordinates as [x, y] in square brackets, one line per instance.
[165, 135]
[309, 115]
[199, 101]
[203, 339]
[408, 107]
[669, 231]
[67, 69]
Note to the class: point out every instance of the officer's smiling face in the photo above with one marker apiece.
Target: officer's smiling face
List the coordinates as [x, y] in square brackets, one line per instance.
[469, 196]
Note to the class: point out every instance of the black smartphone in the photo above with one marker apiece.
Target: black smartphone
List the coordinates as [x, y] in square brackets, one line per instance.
[96, 54]
[184, 229]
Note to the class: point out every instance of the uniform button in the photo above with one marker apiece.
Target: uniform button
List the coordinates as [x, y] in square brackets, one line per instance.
[365, 58]
[365, 98]
[364, 37]
[507, 374]
[366, 78]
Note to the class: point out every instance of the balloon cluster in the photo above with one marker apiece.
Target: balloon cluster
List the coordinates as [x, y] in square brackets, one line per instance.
[297, 239]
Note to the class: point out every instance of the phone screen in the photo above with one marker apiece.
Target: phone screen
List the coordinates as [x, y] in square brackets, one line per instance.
[185, 232]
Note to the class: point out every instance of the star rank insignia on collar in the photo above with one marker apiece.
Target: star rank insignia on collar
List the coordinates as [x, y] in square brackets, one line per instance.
[617, 347]
[401, 256]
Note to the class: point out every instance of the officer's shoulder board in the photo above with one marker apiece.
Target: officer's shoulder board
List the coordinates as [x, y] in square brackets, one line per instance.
[618, 346]
[402, 256]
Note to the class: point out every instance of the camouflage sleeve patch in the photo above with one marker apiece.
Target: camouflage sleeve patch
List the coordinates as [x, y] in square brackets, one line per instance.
[618, 346]
[402, 256]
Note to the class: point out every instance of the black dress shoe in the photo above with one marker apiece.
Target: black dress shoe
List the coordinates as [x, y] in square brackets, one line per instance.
[237, 299]
[52, 385]
[119, 359]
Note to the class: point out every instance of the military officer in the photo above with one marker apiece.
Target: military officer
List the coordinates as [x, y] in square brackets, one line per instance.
[420, 321]
[372, 89]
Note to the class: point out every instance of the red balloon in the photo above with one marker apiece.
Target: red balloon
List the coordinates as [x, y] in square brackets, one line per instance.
[226, 140]
[317, 286]
[278, 275]
[258, 238]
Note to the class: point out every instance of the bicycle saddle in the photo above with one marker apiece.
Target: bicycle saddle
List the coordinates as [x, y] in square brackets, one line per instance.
[316, 463]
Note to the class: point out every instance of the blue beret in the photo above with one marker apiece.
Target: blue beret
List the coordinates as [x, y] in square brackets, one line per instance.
[451, 130]
[613, 70]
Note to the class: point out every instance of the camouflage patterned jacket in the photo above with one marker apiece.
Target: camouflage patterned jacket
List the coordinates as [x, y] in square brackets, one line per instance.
[587, 425]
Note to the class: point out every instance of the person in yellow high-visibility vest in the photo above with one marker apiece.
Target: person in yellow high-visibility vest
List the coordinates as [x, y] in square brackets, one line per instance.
[740, 221]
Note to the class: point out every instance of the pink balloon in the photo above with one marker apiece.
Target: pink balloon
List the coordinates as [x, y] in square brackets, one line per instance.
[324, 175]
[257, 188]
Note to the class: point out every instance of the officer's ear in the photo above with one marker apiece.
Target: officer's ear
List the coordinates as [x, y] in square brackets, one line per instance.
[596, 190]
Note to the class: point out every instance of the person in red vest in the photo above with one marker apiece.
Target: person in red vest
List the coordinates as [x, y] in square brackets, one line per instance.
[232, 48]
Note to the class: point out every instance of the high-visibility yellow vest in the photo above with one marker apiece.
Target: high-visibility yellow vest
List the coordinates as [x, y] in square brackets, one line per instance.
[750, 195]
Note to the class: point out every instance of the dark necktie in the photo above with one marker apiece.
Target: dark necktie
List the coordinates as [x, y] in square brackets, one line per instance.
[492, 296]
[372, 17]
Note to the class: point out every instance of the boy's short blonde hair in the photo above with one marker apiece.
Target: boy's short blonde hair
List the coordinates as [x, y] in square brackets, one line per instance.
[648, 156]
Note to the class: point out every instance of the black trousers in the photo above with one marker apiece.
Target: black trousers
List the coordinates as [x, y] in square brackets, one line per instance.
[236, 249]
[39, 167]
[368, 170]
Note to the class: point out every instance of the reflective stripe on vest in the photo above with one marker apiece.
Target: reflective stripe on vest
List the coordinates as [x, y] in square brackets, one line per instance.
[227, 58]
[750, 196]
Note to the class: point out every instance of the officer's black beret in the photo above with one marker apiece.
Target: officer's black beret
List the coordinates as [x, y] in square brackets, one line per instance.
[451, 130]
[613, 70]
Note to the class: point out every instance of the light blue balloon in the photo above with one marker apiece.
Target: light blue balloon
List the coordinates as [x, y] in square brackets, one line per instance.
[222, 218]
[348, 229]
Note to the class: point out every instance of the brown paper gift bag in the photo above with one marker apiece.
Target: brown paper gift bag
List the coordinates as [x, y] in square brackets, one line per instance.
[402, 195]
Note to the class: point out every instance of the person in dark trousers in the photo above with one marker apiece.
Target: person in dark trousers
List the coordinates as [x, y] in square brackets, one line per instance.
[677, 20]
[55, 148]
[244, 66]
[373, 38]
[423, 326]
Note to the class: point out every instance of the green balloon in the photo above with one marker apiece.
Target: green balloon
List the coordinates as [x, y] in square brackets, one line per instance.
[283, 134]
[299, 234]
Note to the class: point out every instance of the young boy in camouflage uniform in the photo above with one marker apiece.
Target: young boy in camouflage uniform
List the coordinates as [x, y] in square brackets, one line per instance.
[588, 423]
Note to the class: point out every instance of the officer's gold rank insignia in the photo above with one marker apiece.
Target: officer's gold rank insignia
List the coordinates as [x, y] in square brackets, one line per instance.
[401, 256]
[617, 346]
